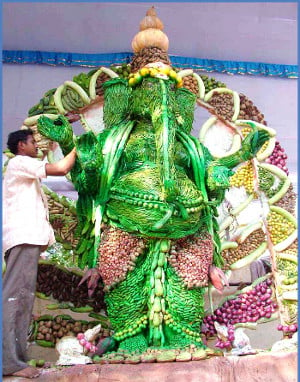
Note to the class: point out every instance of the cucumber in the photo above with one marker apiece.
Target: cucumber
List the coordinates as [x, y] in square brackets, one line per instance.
[92, 85]
[201, 85]
[65, 317]
[287, 242]
[185, 73]
[85, 98]
[236, 105]
[242, 206]
[45, 317]
[288, 256]
[82, 309]
[246, 232]
[290, 295]
[42, 296]
[229, 245]
[281, 192]
[52, 306]
[44, 343]
[102, 319]
[249, 258]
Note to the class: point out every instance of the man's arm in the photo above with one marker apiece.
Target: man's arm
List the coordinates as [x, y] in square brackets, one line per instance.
[63, 166]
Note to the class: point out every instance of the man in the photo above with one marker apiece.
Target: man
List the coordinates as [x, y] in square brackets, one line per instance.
[26, 233]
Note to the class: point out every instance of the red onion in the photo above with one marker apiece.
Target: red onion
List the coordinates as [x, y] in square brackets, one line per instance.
[293, 328]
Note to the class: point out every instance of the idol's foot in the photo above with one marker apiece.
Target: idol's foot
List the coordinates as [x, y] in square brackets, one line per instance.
[135, 344]
[192, 353]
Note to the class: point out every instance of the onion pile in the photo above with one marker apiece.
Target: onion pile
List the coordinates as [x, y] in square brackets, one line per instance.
[118, 252]
[288, 330]
[250, 306]
[278, 158]
[191, 258]
[226, 343]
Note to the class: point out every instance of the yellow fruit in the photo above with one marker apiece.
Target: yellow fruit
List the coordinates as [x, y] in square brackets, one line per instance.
[165, 70]
[153, 72]
[138, 78]
[179, 83]
[144, 72]
[131, 81]
[172, 74]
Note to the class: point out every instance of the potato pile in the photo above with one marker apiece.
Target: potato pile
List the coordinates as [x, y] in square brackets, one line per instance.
[249, 111]
[223, 105]
[48, 330]
[191, 83]
[288, 201]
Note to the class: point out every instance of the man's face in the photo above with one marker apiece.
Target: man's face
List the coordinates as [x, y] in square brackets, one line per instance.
[29, 147]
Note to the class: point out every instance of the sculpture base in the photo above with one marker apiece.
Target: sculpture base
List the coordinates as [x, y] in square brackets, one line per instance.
[265, 366]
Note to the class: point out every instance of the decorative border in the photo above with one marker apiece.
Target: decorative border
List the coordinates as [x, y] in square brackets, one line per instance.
[107, 59]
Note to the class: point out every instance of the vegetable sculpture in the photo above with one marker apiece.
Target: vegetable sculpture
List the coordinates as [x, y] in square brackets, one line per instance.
[150, 193]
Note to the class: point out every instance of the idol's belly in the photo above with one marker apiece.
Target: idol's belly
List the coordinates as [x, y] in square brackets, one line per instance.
[136, 204]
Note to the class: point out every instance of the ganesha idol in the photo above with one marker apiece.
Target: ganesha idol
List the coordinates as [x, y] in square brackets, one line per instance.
[148, 192]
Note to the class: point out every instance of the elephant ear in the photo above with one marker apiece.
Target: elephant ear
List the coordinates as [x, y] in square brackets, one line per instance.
[116, 101]
[186, 101]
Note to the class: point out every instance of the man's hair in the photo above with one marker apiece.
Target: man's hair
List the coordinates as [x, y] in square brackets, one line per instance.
[17, 136]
